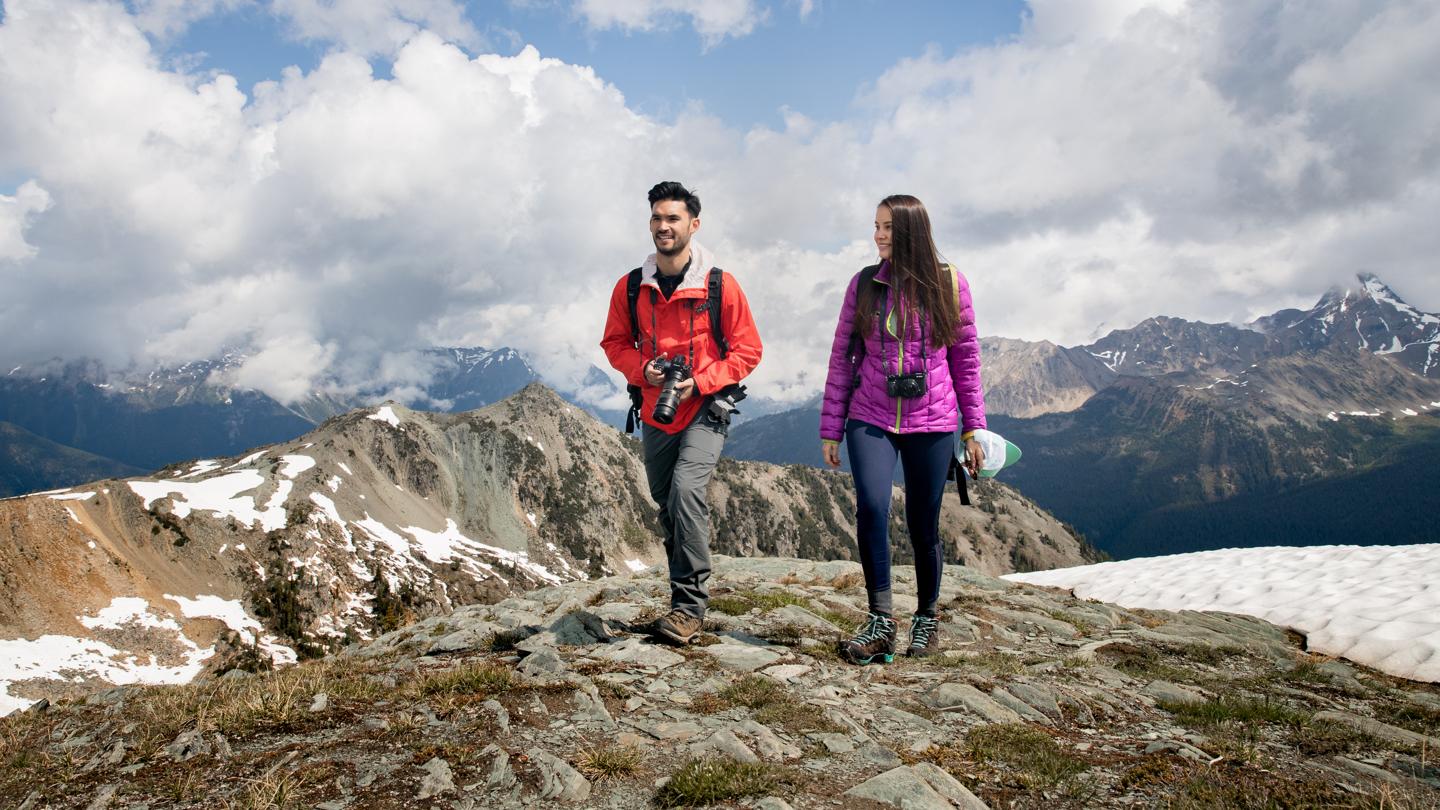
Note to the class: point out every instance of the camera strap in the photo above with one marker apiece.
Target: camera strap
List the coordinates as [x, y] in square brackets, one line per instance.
[903, 321]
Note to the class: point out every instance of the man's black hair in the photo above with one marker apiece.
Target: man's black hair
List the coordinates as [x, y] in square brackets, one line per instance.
[671, 190]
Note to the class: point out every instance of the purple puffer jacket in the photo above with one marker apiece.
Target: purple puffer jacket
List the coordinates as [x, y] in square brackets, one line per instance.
[952, 375]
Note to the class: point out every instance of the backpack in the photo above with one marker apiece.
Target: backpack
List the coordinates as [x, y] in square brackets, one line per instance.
[714, 290]
[857, 354]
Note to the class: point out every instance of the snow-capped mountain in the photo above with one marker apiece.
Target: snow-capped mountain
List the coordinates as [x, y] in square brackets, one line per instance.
[1369, 318]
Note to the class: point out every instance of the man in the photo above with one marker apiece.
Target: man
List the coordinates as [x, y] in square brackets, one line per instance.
[674, 321]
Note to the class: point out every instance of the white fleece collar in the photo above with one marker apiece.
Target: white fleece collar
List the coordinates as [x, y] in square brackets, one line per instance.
[695, 278]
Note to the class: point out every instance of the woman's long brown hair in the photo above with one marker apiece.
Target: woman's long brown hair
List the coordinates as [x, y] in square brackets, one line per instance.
[916, 273]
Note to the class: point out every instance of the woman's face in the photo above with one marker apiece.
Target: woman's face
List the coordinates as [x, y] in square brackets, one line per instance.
[882, 231]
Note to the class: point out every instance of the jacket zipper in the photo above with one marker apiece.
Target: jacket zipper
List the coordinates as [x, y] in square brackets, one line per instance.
[899, 364]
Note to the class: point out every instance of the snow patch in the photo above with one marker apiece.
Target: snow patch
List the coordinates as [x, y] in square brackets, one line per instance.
[74, 660]
[73, 496]
[291, 466]
[386, 415]
[1375, 605]
[232, 613]
[201, 467]
[221, 496]
[333, 483]
[636, 565]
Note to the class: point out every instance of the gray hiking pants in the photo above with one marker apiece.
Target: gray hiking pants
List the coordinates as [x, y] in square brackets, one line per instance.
[678, 466]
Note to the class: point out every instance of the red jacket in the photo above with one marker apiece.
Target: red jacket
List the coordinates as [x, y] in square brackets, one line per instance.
[678, 329]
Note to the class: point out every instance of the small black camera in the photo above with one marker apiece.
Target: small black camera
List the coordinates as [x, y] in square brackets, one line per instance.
[675, 370]
[906, 386]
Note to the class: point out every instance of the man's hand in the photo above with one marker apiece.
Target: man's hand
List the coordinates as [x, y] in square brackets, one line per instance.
[975, 457]
[653, 375]
[831, 452]
[685, 388]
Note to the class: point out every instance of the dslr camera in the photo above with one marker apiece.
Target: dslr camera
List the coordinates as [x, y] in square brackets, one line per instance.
[906, 386]
[675, 370]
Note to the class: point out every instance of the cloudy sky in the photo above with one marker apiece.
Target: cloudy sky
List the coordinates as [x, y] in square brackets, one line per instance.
[333, 184]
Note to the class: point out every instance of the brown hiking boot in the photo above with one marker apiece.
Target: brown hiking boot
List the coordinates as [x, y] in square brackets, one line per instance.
[924, 637]
[874, 643]
[677, 626]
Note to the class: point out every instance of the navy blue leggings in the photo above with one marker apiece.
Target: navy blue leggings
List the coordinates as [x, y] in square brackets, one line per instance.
[925, 458]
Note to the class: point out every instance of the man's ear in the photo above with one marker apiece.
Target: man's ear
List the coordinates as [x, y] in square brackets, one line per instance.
[694, 225]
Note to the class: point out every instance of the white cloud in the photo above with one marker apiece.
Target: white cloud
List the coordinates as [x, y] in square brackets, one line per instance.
[713, 20]
[1113, 162]
[15, 214]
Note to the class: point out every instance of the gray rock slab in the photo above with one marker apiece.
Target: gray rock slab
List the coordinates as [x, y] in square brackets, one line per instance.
[638, 653]
[1019, 618]
[772, 803]
[908, 721]
[877, 754]
[473, 636]
[1173, 693]
[501, 775]
[948, 786]
[1020, 707]
[438, 779]
[1383, 731]
[766, 741]
[800, 617]
[786, 673]
[741, 657]
[901, 787]
[558, 781]
[589, 708]
[544, 663]
[951, 696]
[1038, 697]
[581, 628]
[834, 743]
[724, 742]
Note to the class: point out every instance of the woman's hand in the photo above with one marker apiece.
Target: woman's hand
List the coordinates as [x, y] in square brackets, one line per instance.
[975, 457]
[831, 452]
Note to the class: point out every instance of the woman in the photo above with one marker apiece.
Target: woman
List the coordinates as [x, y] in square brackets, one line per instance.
[904, 373]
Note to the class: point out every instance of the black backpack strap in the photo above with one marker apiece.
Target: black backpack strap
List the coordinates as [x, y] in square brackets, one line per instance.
[714, 294]
[632, 297]
[957, 473]
[857, 340]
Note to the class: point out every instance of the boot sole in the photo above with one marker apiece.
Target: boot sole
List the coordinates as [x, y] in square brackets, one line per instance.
[683, 641]
[881, 658]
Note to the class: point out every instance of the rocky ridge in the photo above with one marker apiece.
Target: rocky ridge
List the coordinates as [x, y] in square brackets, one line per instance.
[384, 516]
[550, 697]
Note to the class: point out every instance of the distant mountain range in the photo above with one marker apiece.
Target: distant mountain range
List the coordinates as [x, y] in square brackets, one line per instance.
[1176, 435]
[90, 421]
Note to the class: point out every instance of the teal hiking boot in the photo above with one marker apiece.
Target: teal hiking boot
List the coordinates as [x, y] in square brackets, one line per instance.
[875, 643]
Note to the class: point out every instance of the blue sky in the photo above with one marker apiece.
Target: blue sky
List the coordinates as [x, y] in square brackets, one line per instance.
[1087, 163]
[813, 66]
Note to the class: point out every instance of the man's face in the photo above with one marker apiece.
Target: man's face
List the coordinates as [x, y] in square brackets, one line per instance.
[671, 226]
